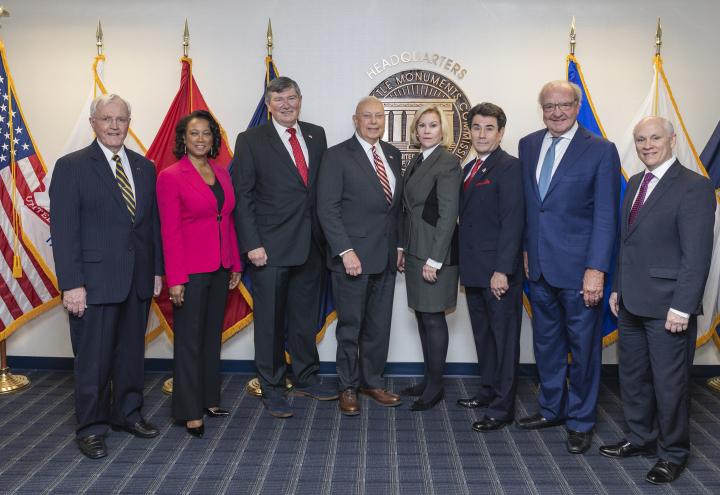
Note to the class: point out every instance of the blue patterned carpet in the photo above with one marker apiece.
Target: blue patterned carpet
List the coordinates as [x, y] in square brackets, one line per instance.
[319, 451]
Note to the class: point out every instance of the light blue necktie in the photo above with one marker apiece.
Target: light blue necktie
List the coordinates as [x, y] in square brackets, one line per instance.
[546, 169]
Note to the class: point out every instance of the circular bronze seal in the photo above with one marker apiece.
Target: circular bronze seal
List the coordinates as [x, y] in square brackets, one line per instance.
[406, 92]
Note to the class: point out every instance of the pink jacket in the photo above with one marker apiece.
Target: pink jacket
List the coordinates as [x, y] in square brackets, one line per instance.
[193, 239]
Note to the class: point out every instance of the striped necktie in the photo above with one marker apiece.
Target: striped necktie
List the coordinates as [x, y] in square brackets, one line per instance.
[382, 175]
[124, 185]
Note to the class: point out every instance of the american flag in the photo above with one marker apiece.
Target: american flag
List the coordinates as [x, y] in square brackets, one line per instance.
[27, 283]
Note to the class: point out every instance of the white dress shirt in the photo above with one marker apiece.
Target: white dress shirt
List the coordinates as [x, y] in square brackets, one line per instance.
[657, 175]
[560, 149]
[123, 159]
[285, 138]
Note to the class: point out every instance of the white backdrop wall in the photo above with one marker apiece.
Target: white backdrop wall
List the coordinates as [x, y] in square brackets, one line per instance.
[509, 48]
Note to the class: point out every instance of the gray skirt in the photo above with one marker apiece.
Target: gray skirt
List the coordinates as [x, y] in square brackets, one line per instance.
[426, 297]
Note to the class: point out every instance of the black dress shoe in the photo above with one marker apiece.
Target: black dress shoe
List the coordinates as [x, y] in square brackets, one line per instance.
[196, 431]
[625, 449]
[472, 403]
[537, 421]
[421, 405]
[664, 472]
[216, 412]
[489, 424]
[92, 446]
[578, 442]
[140, 429]
[413, 390]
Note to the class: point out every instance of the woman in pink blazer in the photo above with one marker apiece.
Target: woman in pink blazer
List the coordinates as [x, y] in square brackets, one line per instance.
[196, 200]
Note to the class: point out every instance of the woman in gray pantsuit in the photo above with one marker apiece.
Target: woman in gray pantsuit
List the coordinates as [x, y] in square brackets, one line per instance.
[430, 209]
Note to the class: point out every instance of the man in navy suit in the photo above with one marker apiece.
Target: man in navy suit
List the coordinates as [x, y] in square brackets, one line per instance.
[572, 185]
[492, 217]
[666, 242]
[108, 260]
[275, 170]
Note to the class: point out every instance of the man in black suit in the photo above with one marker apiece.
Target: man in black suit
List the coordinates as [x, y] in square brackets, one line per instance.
[666, 242]
[108, 260]
[275, 171]
[492, 217]
[359, 201]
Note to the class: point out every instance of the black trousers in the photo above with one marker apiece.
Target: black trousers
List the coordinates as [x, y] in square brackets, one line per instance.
[496, 329]
[196, 349]
[287, 297]
[654, 367]
[364, 312]
[108, 342]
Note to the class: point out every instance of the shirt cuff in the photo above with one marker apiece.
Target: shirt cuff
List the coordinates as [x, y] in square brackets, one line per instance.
[680, 313]
[435, 264]
[346, 251]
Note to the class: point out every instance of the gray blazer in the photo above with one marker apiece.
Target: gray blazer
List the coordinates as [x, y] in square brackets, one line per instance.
[440, 173]
[665, 256]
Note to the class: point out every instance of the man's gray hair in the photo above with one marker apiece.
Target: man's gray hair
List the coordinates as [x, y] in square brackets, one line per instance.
[103, 100]
[562, 84]
[280, 84]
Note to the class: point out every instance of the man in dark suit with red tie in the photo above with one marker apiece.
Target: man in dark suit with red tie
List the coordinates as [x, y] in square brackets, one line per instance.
[275, 171]
[492, 217]
[108, 260]
[666, 242]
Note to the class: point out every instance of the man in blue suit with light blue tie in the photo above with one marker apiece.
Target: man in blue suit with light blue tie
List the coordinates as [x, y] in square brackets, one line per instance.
[572, 186]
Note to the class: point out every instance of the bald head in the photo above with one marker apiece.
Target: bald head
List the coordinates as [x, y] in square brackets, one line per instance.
[654, 141]
[369, 119]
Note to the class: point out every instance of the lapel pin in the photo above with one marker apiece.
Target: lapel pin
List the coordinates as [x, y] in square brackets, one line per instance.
[391, 157]
[484, 170]
[309, 136]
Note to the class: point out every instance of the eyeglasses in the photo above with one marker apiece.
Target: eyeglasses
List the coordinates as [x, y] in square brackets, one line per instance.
[563, 106]
[119, 121]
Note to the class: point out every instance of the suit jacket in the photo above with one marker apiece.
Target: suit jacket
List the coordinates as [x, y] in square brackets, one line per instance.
[194, 241]
[431, 193]
[95, 242]
[664, 257]
[274, 209]
[575, 226]
[353, 211]
[492, 219]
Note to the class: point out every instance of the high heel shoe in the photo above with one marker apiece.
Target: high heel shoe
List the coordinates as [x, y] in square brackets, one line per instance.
[216, 412]
[421, 405]
[196, 431]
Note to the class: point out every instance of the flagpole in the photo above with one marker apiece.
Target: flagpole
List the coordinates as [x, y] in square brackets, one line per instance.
[572, 37]
[9, 382]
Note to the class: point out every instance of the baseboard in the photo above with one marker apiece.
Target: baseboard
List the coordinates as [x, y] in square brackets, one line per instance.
[326, 367]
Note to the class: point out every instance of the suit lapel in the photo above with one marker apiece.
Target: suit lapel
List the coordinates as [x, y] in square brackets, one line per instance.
[363, 161]
[481, 174]
[193, 179]
[661, 188]
[102, 168]
[535, 145]
[279, 147]
[313, 153]
[577, 147]
[425, 166]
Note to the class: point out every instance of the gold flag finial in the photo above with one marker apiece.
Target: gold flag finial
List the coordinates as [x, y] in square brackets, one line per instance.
[99, 38]
[572, 36]
[269, 39]
[658, 38]
[4, 12]
[186, 39]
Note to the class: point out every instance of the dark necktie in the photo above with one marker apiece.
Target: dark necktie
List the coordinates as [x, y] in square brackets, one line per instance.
[124, 185]
[473, 171]
[382, 175]
[640, 199]
[416, 165]
[298, 155]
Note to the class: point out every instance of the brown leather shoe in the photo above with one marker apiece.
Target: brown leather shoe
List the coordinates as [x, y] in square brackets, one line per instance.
[349, 405]
[382, 396]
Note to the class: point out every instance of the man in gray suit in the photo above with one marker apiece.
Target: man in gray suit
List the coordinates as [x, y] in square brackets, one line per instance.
[666, 242]
[359, 201]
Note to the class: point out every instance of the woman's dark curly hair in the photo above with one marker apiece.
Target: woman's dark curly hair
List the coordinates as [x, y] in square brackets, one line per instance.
[181, 128]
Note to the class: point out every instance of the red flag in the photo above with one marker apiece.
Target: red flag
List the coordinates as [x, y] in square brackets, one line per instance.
[238, 311]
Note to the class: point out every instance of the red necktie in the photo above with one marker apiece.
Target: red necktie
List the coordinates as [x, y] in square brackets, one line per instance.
[298, 155]
[640, 200]
[472, 173]
[382, 175]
